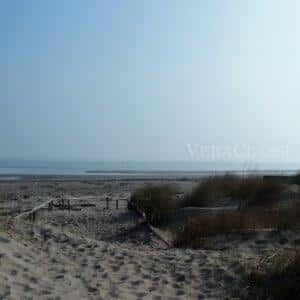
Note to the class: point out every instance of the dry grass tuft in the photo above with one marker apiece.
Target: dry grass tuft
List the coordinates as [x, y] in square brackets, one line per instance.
[212, 189]
[248, 191]
[154, 201]
[257, 191]
[196, 230]
[276, 277]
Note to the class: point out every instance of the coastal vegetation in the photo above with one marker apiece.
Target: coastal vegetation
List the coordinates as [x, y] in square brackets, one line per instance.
[252, 204]
[196, 230]
[155, 202]
[257, 207]
[276, 276]
[248, 191]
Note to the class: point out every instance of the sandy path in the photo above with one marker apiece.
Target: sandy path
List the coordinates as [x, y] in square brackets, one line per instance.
[61, 266]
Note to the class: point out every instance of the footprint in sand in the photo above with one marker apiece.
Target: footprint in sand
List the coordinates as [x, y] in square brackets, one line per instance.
[92, 290]
[84, 263]
[14, 272]
[45, 292]
[115, 268]
[210, 285]
[124, 278]
[136, 282]
[98, 268]
[17, 255]
[33, 279]
[179, 277]
[140, 295]
[27, 288]
[146, 276]
[180, 292]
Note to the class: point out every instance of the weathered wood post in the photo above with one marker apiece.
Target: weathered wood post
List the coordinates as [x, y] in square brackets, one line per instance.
[33, 216]
[107, 203]
[117, 203]
[69, 205]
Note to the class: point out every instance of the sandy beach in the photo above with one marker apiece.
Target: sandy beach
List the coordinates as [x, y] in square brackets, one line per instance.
[91, 252]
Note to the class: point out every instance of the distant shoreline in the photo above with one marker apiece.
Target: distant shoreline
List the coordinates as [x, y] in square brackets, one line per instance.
[126, 175]
[237, 171]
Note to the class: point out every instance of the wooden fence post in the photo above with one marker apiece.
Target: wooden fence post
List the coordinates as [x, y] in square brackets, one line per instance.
[117, 203]
[107, 204]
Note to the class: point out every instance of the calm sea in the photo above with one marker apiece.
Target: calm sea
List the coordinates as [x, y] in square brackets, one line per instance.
[13, 167]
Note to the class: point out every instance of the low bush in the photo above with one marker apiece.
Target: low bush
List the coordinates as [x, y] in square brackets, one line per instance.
[154, 201]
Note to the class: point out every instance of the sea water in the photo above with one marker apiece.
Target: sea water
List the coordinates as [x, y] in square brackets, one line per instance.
[9, 168]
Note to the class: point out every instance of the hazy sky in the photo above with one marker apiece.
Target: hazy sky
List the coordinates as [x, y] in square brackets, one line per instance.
[141, 80]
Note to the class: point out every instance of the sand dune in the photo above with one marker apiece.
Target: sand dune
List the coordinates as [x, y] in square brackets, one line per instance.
[94, 253]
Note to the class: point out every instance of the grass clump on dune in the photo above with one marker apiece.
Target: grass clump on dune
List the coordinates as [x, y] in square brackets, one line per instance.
[257, 191]
[212, 189]
[276, 277]
[155, 202]
[247, 191]
[196, 230]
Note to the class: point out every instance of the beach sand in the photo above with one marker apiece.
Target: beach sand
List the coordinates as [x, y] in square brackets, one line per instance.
[90, 252]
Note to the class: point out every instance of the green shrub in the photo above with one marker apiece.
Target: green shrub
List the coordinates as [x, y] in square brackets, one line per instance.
[154, 202]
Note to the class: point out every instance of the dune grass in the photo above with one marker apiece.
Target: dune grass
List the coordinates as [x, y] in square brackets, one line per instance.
[247, 191]
[212, 189]
[296, 179]
[197, 229]
[275, 277]
[155, 201]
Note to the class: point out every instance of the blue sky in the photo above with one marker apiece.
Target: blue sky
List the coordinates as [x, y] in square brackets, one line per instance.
[139, 80]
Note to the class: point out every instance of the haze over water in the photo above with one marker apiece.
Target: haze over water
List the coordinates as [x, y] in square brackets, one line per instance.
[130, 168]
